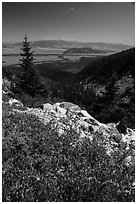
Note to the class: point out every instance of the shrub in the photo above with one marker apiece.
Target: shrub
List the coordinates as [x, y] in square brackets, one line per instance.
[38, 165]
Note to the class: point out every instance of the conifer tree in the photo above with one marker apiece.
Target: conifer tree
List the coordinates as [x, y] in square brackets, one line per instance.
[27, 60]
[28, 81]
[111, 88]
[104, 107]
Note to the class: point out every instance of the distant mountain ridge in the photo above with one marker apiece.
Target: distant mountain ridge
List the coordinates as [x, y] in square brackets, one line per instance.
[72, 44]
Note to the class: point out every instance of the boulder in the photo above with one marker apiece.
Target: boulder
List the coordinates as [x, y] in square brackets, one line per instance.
[15, 102]
[60, 110]
[47, 106]
[85, 114]
[6, 84]
[68, 105]
[129, 136]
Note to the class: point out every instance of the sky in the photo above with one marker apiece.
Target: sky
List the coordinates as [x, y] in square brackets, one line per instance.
[111, 22]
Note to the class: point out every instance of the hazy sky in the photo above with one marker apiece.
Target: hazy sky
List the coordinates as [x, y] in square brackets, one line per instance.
[94, 22]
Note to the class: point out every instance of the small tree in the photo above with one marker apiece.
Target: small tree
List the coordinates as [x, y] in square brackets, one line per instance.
[28, 80]
[111, 89]
[27, 60]
[105, 106]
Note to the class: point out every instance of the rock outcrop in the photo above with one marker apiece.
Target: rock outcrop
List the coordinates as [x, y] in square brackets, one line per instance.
[15, 102]
[65, 116]
[6, 87]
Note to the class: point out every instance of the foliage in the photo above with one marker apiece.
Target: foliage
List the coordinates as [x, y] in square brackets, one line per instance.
[74, 92]
[27, 81]
[105, 107]
[40, 166]
[111, 89]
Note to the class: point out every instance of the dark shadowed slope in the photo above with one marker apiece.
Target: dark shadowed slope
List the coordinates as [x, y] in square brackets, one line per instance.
[101, 70]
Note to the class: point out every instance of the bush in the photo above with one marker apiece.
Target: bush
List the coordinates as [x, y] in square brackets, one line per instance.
[40, 166]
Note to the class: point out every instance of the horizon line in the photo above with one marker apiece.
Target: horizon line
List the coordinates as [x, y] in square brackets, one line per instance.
[69, 40]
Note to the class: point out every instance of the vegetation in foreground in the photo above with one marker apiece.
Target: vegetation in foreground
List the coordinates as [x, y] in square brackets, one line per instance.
[40, 166]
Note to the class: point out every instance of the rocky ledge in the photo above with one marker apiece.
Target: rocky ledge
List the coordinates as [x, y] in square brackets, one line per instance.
[66, 116]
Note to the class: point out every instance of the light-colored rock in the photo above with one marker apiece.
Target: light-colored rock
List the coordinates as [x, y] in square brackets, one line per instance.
[128, 160]
[85, 114]
[55, 105]
[60, 110]
[91, 120]
[15, 102]
[84, 125]
[47, 106]
[68, 105]
[6, 84]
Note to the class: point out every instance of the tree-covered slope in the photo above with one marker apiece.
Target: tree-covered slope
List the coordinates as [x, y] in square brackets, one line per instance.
[123, 63]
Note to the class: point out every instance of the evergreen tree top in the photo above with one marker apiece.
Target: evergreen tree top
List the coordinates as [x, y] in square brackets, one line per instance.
[26, 37]
[27, 54]
[26, 44]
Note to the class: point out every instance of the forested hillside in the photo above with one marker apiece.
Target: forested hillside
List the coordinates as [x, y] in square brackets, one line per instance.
[106, 88]
[100, 71]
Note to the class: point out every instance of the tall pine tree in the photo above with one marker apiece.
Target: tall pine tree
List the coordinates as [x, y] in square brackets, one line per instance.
[27, 75]
[28, 80]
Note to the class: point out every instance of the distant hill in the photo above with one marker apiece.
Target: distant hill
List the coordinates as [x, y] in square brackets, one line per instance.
[85, 50]
[72, 44]
[101, 70]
